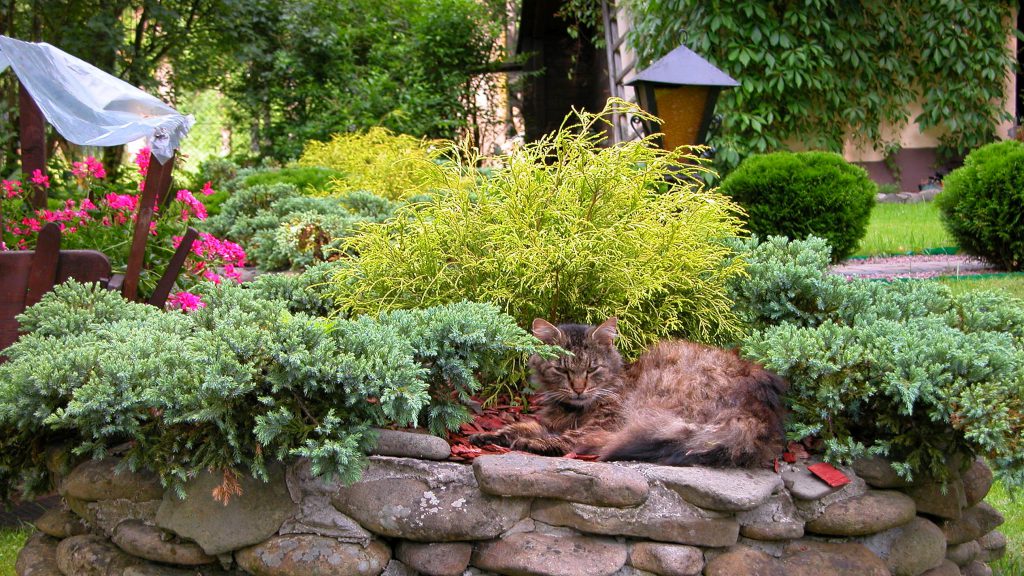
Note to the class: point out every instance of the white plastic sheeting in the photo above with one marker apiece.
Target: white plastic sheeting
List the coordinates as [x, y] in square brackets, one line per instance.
[90, 107]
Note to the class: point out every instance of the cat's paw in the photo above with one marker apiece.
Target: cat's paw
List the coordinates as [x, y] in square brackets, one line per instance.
[485, 438]
[542, 446]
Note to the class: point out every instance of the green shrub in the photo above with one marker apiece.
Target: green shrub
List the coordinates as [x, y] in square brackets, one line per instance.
[803, 194]
[903, 369]
[982, 203]
[308, 179]
[236, 383]
[394, 166]
[568, 231]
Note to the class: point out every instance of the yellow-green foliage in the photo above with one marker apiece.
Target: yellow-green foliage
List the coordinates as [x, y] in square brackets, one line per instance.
[567, 231]
[395, 166]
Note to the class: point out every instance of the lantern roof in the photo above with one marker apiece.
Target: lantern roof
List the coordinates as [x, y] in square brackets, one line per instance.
[684, 67]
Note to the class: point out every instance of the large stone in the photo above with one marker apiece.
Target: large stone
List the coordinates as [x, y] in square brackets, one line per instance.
[536, 553]
[977, 482]
[427, 502]
[666, 559]
[91, 555]
[247, 519]
[101, 480]
[397, 568]
[809, 558]
[806, 486]
[161, 570]
[776, 519]
[410, 445]
[718, 489]
[976, 521]
[743, 561]
[919, 547]
[879, 473]
[38, 557]
[311, 555]
[875, 511]
[993, 546]
[315, 513]
[435, 558]
[60, 523]
[105, 515]
[976, 568]
[665, 516]
[149, 542]
[947, 568]
[944, 500]
[597, 483]
[963, 554]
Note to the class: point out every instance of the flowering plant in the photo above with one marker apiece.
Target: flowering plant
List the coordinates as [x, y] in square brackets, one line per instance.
[98, 216]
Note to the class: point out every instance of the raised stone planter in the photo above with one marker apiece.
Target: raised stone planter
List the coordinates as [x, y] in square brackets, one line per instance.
[517, 514]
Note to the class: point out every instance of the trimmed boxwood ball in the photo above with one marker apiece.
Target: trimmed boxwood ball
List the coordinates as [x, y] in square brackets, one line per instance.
[801, 194]
[982, 204]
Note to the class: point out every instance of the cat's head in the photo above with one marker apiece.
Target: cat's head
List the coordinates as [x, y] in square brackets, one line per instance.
[589, 374]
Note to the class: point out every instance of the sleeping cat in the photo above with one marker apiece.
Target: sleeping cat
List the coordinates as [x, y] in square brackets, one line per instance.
[679, 404]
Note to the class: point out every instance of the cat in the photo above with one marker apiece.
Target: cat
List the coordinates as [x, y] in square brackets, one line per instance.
[680, 404]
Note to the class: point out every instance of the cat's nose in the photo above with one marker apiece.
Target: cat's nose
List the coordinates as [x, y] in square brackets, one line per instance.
[579, 385]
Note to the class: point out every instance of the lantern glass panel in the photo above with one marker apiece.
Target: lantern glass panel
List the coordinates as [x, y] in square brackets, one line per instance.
[681, 109]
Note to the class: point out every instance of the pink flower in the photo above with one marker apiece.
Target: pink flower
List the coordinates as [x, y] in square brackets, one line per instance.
[121, 201]
[142, 161]
[192, 205]
[11, 188]
[207, 189]
[40, 179]
[95, 168]
[185, 301]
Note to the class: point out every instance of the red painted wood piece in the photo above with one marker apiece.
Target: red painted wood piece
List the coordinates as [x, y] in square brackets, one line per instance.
[163, 287]
[82, 265]
[43, 270]
[158, 181]
[32, 135]
[829, 474]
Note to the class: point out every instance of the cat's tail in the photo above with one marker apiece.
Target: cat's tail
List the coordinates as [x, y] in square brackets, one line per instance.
[746, 438]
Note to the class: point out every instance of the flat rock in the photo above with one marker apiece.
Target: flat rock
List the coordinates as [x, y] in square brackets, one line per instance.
[60, 523]
[160, 570]
[976, 568]
[597, 483]
[535, 553]
[410, 445]
[920, 546]
[993, 546]
[875, 511]
[666, 559]
[976, 521]
[427, 502]
[776, 519]
[38, 557]
[435, 558]
[105, 515]
[977, 482]
[945, 500]
[718, 489]
[743, 561]
[315, 513]
[247, 519]
[91, 555]
[665, 516]
[100, 480]
[397, 568]
[311, 555]
[947, 568]
[810, 558]
[878, 473]
[963, 554]
[149, 542]
[806, 486]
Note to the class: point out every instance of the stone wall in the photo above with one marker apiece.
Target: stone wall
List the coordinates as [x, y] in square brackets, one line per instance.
[518, 514]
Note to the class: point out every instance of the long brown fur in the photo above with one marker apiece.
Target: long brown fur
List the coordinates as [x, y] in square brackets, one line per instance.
[681, 403]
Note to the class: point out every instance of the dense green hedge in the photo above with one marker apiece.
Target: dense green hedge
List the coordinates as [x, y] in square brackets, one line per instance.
[982, 204]
[803, 194]
[235, 383]
[902, 369]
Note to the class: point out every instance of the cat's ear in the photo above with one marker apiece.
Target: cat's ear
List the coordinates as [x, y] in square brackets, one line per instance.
[546, 332]
[605, 333]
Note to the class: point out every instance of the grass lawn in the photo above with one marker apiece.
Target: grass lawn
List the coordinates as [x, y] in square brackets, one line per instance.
[1012, 284]
[11, 541]
[903, 229]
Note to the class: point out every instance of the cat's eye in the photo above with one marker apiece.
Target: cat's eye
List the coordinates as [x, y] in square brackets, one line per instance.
[594, 370]
[560, 370]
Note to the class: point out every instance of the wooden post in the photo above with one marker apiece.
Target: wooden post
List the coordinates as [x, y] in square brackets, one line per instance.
[32, 130]
[163, 287]
[158, 181]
